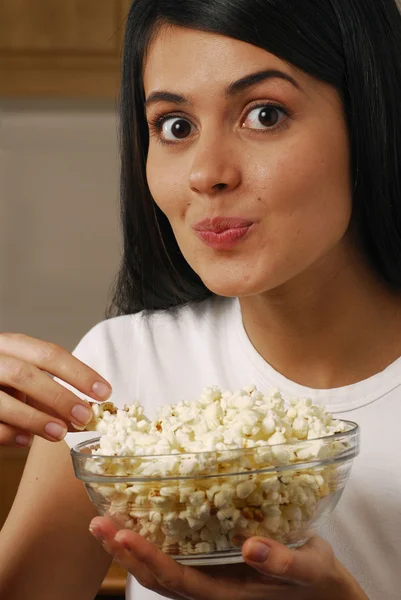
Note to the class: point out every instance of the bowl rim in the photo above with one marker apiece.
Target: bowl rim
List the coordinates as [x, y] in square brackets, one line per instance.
[76, 451]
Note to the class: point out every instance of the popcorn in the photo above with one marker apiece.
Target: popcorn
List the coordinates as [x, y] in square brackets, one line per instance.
[176, 504]
[224, 497]
[245, 489]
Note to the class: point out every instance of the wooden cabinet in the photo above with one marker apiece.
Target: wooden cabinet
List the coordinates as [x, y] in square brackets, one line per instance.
[54, 48]
[12, 463]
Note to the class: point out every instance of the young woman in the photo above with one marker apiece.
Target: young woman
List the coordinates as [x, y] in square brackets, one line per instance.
[261, 202]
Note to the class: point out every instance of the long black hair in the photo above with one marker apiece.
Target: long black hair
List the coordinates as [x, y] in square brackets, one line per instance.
[354, 45]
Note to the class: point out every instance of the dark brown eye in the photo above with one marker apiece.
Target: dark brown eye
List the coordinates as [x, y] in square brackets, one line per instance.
[263, 117]
[176, 129]
[268, 116]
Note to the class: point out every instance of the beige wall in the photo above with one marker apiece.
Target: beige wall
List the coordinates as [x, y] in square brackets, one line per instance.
[59, 238]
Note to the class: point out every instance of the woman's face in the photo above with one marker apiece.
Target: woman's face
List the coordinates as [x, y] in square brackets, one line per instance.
[248, 159]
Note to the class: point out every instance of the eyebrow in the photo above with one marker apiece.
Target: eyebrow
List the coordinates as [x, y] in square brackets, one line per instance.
[232, 90]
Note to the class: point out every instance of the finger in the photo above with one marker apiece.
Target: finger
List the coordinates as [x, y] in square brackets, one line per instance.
[10, 436]
[57, 361]
[171, 575]
[22, 416]
[14, 393]
[104, 531]
[45, 392]
[24, 398]
[307, 565]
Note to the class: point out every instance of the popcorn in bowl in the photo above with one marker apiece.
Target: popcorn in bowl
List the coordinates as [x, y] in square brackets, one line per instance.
[206, 474]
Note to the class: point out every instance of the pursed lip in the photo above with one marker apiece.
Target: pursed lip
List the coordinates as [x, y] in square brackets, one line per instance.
[221, 224]
[223, 233]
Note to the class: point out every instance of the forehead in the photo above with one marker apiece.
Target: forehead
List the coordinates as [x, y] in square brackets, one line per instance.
[182, 58]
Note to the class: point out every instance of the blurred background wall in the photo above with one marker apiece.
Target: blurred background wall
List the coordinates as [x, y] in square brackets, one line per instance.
[59, 81]
[59, 229]
[59, 238]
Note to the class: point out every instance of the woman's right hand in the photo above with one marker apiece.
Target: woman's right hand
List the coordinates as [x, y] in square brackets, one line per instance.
[31, 402]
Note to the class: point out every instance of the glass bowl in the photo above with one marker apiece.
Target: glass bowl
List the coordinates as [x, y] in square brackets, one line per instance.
[203, 513]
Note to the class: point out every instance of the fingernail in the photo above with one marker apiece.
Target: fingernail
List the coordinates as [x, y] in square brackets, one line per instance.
[23, 440]
[258, 552]
[97, 533]
[126, 546]
[81, 413]
[123, 542]
[101, 390]
[56, 431]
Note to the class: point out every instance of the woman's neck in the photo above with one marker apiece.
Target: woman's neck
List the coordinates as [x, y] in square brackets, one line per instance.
[335, 325]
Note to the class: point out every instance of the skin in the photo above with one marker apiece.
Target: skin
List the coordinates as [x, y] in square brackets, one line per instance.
[310, 573]
[31, 402]
[297, 270]
[293, 181]
[309, 301]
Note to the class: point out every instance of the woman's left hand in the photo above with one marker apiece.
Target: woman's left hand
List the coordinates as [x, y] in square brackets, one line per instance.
[272, 571]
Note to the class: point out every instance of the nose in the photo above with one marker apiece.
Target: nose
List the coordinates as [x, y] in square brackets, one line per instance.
[214, 168]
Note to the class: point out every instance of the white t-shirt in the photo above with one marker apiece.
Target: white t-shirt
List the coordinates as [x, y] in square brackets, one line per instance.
[167, 356]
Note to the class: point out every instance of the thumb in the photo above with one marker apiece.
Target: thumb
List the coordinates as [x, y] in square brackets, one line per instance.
[312, 562]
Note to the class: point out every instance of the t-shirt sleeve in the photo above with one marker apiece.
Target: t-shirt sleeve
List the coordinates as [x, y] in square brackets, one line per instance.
[106, 349]
[87, 352]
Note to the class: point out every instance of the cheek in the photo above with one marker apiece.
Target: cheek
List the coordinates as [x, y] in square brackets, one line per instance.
[165, 185]
[300, 190]
[308, 190]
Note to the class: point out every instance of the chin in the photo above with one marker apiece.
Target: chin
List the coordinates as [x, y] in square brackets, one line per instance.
[234, 287]
[238, 276]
